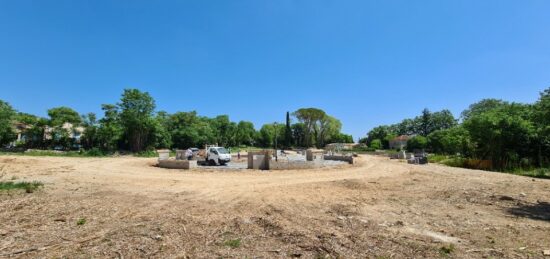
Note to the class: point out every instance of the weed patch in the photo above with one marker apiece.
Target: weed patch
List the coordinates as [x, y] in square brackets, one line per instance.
[233, 243]
[29, 187]
[81, 222]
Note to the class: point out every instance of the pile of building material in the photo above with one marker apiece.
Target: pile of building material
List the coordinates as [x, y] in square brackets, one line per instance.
[179, 162]
[419, 158]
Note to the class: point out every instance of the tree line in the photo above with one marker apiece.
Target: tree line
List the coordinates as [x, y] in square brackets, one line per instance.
[511, 135]
[133, 124]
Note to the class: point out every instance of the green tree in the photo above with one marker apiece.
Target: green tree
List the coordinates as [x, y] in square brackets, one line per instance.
[299, 134]
[309, 117]
[225, 130]
[110, 131]
[190, 130]
[136, 117]
[60, 115]
[541, 118]
[245, 133]
[59, 133]
[380, 132]
[417, 143]
[481, 107]
[326, 128]
[7, 114]
[288, 132]
[269, 132]
[90, 137]
[425, 122]
[451, 141]
[504, 134]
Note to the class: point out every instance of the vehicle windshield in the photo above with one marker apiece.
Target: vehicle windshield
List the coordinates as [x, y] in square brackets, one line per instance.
[222, 150]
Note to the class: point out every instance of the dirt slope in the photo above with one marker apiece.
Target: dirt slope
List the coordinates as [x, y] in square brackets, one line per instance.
[377, 208]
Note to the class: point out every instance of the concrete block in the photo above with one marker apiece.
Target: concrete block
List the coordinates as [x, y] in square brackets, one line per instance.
[309, 155]
[177, 164]
[163, 154]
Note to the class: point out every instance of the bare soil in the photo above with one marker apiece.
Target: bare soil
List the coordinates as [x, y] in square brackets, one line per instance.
[378, 208]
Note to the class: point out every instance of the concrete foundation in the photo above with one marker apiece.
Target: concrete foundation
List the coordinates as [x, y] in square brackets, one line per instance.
[348, 159]
[177, 164]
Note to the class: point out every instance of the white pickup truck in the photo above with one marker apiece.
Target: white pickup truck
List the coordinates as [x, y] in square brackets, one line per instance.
[215, 156]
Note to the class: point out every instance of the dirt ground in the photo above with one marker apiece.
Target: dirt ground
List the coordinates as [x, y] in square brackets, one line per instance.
[379, 208]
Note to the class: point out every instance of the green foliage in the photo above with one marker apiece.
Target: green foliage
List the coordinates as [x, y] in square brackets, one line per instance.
[453, 161]
[189, 130]
[29, 187]
[233, 243]
[503, 134]
[148, 153]
[311, 118]
[376, 144]
[450, 141]
[288, 131]
[245, 134]
[446, 250]
[537, 173]
[299, 134]
[271, 133]
[60, 115]
[340, 138]
[436, 158]
[424, 124]
[81, 222]
[417, 143]
[7, 114]
[136, 118]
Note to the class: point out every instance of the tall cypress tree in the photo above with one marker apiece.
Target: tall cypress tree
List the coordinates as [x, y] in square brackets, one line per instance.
[288, 132]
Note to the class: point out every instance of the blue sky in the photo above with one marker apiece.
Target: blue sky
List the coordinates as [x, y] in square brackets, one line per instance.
[364, 62]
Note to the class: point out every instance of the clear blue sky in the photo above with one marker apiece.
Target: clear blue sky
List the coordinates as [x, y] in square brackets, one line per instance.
[364, 62]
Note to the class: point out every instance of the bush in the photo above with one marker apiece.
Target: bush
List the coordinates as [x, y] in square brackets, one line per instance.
[93, 152]
[435, 158]
[376, 144]
[148, 153]
[453, 161]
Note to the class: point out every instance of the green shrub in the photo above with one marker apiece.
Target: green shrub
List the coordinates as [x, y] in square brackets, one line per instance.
[148, 153]
[435, 158]
[94, 152]
[376, 144]
[29, 187]
[454, 161]
[446, 250]
[81, 222]
[233, 243]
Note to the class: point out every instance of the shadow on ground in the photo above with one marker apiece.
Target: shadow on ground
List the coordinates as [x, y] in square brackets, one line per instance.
[538, 211]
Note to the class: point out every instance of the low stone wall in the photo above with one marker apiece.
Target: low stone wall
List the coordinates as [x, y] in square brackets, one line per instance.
[348, 159]
[177, 164]
[280, 165]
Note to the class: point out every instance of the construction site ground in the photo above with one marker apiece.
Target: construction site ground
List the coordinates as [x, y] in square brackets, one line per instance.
[125, 207]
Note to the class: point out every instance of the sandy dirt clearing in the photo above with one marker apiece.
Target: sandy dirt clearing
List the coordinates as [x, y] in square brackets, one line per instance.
[376, 208]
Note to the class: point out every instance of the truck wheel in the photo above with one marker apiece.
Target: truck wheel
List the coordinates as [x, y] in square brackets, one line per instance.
[221, 162]
[211, 162]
